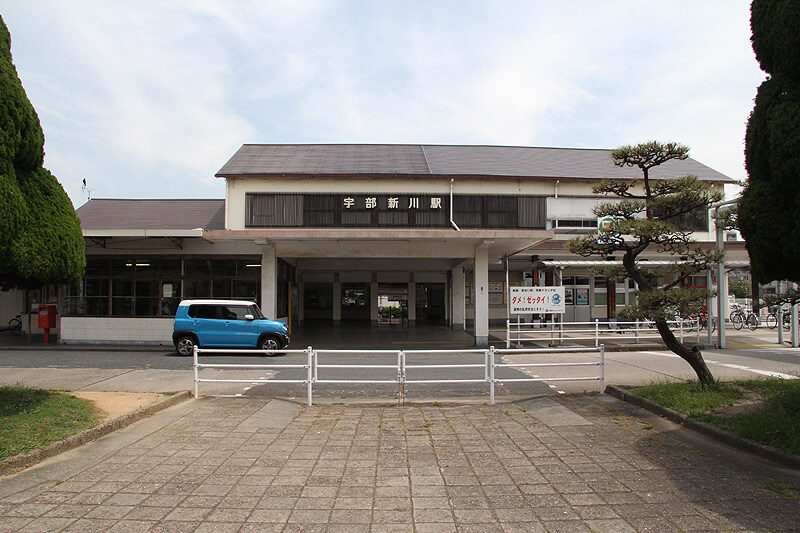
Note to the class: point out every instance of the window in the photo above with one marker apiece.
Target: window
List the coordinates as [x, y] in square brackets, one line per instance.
[202, 311]
[264, 210]
[153, 286]
[234, 312]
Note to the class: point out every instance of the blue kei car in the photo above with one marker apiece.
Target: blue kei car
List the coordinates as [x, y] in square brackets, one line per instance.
[226, 324]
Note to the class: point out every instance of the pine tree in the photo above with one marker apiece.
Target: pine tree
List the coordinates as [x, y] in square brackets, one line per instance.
[656, 214]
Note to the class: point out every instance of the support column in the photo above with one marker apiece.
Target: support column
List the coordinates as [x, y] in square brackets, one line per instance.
[301, 300]
[459, 299]
[373, 300]
[411, 301]
[611, 298]
[482, 295]
[269, 281]
[337, 300]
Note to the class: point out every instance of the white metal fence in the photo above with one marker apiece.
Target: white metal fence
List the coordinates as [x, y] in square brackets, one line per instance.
[518, 332]
[399, 371]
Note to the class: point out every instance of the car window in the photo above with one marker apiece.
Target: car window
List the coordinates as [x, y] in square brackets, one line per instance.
[202, 311]
[234, 312]
[256, 312]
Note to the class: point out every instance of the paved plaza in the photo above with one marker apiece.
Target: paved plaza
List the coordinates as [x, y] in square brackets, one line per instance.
[558, 463]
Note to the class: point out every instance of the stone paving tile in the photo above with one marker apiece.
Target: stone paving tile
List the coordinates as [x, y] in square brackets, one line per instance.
[421, 468]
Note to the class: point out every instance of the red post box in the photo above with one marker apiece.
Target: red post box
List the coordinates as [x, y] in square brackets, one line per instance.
[47, 320]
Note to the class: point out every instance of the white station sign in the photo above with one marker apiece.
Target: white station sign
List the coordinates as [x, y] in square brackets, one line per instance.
[525, 300]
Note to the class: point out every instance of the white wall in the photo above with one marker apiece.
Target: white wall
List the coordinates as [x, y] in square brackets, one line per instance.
[110, 330]
[238, 187]
[11, 303]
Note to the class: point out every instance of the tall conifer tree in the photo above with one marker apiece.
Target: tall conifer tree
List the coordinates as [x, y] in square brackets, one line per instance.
[770, 203]
[40, 235]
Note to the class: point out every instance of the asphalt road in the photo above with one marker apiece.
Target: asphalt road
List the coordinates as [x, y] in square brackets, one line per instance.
[160, 370]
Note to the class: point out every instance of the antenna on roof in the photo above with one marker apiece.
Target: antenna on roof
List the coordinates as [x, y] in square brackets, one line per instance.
[87, 190]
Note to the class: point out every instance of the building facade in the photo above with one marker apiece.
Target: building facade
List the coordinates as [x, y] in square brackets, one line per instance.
[411, 235]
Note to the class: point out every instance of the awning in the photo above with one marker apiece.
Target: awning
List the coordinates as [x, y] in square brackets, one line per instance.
[601, 263]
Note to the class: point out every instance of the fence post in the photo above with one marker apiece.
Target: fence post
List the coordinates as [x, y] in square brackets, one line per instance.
[310, 373]
[490, 353]
[637, 331]
[596, 332]
[680, 326]
[698, 329]
[561, 330]
[602, 368]
[316, 364]
[486, 365]
[196, 377]
[401, 377]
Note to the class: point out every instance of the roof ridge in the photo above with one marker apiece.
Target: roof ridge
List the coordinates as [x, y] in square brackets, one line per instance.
[427, 164]
[159, 199]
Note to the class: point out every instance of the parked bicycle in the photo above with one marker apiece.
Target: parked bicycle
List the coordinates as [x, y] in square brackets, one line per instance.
[741, 317]
[772, 319]
[702, 321]
[14, 326]
[707, 322]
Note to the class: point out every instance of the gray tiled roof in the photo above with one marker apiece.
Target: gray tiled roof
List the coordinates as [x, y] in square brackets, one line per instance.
[114, 214]
[441, 160]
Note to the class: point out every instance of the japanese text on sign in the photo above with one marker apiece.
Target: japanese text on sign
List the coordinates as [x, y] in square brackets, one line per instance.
[524, 300]
[371, 202]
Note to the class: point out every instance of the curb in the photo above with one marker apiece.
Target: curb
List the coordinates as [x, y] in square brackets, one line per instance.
[762, 450]
[30, 458]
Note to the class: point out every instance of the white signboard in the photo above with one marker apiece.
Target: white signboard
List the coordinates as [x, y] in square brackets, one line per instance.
[536, 300]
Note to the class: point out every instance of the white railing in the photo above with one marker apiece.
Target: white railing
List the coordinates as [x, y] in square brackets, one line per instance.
[554, 333]
[198, 366]
[399, 370]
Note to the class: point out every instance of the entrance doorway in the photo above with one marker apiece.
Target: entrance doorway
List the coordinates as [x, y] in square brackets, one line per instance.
[576, 295]
[392, 303]
[318, 301]
[355, 301]
[430, 303]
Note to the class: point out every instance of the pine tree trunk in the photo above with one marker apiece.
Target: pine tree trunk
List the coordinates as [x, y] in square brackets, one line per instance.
[690, 355]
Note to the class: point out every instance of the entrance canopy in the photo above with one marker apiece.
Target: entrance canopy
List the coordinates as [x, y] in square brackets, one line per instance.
[387, 243]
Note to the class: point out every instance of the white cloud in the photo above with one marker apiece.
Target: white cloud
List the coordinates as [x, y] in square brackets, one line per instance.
[151, 98]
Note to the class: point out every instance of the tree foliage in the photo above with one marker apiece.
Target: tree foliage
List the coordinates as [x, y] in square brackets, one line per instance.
[655, 214]
[776, 36]
[40, 235]
[767, 213]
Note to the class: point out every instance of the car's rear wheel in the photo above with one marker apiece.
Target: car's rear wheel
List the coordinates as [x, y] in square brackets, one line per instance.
[270, 344]
[185, 345]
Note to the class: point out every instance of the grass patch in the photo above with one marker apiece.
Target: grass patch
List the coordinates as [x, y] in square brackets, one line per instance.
[773, 420]
[785, 489]
[32, 418]
[688, 398]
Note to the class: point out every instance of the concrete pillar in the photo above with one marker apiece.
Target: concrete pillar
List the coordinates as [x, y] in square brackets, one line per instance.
[459, 311]
[611, 298]
[373, 300]
[301, 300]
[269, 281]
[337, 300]
[412, 301]
[482, 295]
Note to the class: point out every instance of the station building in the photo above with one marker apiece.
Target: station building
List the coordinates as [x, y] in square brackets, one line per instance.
[383, 235]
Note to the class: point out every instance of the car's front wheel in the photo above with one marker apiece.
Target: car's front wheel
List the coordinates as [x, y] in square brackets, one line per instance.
[185, 345]
[269, 344]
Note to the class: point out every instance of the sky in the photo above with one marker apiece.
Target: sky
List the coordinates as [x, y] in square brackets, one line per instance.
[149, 99]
